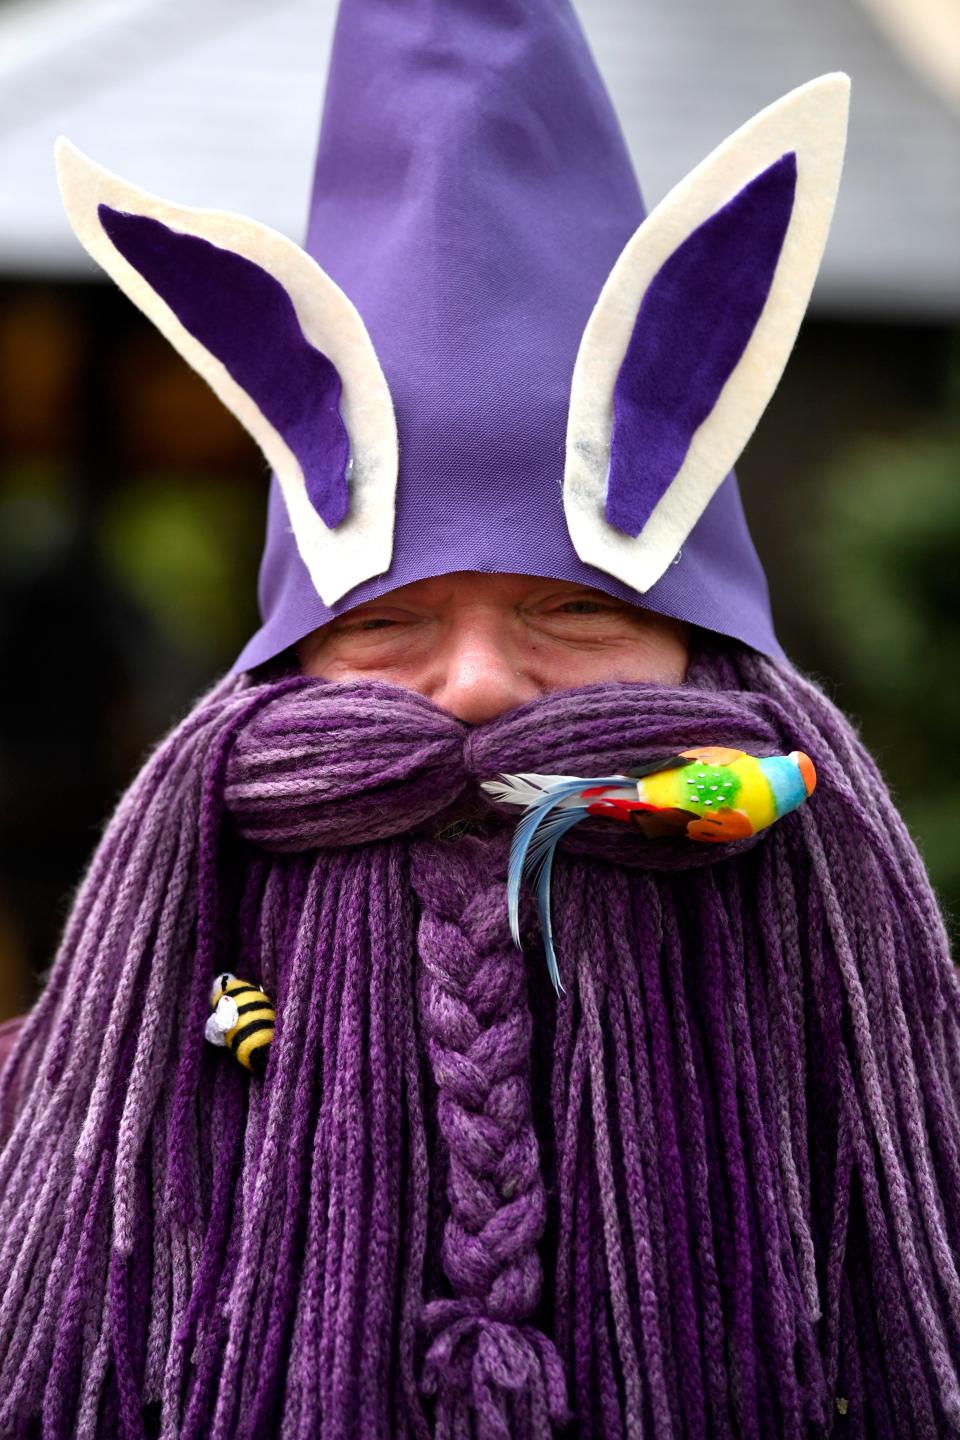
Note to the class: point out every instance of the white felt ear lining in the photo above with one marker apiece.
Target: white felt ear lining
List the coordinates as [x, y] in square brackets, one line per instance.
[811, 122]
[361, 546]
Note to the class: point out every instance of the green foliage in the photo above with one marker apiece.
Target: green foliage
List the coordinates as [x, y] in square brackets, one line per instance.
[39, 517]
[886, 553]
[184, 547]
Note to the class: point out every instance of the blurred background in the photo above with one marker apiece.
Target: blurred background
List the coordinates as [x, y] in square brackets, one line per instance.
[131, 504]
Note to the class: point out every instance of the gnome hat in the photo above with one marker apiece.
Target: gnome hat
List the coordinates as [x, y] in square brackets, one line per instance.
[485, 357]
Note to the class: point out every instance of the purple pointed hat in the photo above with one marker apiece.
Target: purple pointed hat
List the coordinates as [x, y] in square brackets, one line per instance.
[486, 357]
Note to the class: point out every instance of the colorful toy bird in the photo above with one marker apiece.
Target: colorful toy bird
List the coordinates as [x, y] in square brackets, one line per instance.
[711, 794]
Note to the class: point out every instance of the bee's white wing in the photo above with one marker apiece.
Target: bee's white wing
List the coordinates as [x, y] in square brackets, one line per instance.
[223, 1019]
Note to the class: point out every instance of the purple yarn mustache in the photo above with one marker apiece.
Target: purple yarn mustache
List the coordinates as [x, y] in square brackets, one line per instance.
[731, 1198]
[299, 778]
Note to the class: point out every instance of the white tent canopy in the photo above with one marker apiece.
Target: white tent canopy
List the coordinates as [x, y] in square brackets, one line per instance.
[217, 102]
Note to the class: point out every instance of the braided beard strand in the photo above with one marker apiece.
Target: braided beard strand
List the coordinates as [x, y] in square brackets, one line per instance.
[713, 1190]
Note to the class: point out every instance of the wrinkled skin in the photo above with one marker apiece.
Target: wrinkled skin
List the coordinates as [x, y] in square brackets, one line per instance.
[478, 645]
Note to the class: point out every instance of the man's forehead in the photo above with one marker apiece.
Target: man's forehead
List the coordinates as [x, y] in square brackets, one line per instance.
[460, 584]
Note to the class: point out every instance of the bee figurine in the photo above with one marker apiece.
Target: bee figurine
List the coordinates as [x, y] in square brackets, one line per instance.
[243, 1019]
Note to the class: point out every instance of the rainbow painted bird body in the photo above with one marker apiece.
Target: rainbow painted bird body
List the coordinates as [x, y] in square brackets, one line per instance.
[712, 794]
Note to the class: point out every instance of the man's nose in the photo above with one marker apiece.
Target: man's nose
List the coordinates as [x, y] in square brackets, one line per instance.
[480, 678]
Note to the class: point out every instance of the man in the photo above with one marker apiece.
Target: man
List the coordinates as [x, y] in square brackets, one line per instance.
[711, 1188]
[480, 645]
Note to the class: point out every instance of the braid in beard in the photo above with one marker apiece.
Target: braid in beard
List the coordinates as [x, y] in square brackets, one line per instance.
[478, 1026]
[735, 1141]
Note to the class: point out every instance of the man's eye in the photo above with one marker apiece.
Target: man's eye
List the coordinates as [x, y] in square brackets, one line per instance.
[584, 607]
[379, 623]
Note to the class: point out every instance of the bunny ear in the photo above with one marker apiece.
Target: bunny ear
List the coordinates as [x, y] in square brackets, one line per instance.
[278, 341]
[692, 330]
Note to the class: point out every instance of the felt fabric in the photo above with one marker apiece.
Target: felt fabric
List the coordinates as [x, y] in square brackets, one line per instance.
[714, 1191]
[246, 320]
[693, 325]
[474, 203]
[361, 544]
[810, 122]
[472, 192]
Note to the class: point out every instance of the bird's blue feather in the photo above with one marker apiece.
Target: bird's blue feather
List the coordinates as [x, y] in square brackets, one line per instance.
[534, 842]
[558, 825]
[522, 837]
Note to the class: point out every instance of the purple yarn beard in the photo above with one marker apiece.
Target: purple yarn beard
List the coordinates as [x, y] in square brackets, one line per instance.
[713, 1190]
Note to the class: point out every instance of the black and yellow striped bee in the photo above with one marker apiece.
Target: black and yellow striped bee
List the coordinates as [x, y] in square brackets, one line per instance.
[243, 1019]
